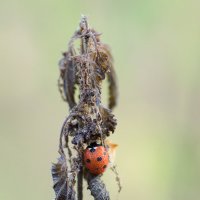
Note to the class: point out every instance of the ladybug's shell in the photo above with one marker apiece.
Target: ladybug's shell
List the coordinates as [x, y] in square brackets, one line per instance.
[96, 159]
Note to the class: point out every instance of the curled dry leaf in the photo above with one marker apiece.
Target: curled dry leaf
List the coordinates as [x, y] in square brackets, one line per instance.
[62, 186]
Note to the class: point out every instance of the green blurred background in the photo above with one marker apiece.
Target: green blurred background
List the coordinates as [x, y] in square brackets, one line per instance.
[156, 47]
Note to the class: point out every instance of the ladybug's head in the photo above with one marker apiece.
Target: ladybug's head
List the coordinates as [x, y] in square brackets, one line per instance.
[92, 147]
[93, 144]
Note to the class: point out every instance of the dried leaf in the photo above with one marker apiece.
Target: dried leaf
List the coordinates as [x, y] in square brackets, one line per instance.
[108, 121]
[112, 88]
[68, 75]
[62, 186]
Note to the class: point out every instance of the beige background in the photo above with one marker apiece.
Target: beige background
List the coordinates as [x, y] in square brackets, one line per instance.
[156, 47]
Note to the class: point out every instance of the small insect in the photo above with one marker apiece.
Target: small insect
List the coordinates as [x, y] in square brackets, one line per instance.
[96, 158]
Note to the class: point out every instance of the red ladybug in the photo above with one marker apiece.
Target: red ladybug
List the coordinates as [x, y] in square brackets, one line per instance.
[96, 158]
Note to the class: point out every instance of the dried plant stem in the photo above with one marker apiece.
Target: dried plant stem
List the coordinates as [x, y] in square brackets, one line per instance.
[80, 184]
[97, 188]
[88, 121]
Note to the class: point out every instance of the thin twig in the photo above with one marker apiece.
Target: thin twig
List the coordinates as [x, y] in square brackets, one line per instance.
[80, 184]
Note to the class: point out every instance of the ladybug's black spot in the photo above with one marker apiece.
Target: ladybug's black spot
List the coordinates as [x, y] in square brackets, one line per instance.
[104, 153]
[99, 159]
[88, 160]
[104, 166]
[97, 169]
[92, 150]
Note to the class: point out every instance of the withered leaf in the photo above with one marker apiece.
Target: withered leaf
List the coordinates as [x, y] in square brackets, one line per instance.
[107, 66]
[63, 189]
[112, 88]
[108, 121]
[68, 75]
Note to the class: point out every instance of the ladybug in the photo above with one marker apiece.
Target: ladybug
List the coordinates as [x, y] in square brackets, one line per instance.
[96, 158]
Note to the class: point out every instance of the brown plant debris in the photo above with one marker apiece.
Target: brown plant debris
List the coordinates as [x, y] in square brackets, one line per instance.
[88, 121]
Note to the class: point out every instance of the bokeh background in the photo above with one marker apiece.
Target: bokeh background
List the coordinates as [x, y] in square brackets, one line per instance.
[156, 47]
